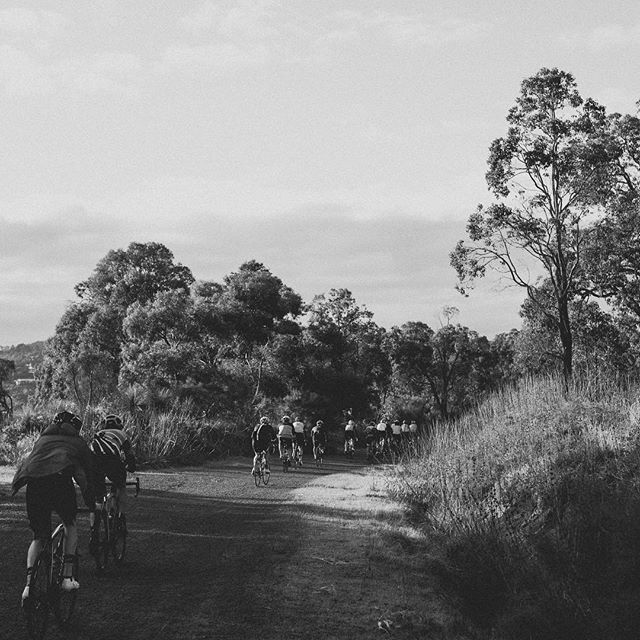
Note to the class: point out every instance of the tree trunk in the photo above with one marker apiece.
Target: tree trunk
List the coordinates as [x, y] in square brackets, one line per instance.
[566, 339]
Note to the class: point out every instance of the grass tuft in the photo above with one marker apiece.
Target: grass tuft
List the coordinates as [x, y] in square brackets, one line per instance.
[535, 497]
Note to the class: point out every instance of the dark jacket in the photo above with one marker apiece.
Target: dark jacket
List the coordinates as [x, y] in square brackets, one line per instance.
[262, 436]
[59, 449]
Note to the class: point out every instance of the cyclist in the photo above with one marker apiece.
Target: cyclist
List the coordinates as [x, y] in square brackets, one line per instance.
[318, 437]
[371, 437]
[299, 437]
[110, 445]
[396, 434]
[261, 439]
[59, 457]
[285, 436]
[381, 428]
[349, 434]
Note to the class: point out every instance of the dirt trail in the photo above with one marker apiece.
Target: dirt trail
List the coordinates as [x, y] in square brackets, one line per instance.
[315, 554]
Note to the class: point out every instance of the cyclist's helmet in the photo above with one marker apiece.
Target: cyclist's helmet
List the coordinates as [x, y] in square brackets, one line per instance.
[112, 422]
[319, 423]
[66, 417]
[286, 420]
[264, 420]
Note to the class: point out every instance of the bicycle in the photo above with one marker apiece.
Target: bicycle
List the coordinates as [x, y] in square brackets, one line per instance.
[318, 454]
[109, 531]
[350, 448]
[262, 473]
[297, 455]
[286, 460]
[45, 591]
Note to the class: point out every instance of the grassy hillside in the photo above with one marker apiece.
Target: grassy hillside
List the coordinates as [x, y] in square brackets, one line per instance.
[535, 499]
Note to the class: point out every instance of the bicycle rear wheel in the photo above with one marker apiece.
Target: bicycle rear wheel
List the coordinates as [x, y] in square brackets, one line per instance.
[99, 548]
[36, 607]
[265, 472]
[118, 537]
[63, 602]
[256, 475]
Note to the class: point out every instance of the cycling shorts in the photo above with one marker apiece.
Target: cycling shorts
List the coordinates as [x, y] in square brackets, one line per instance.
[111, 467]
[349, 434]
[50, 493]
[300, 439]
[259, 447]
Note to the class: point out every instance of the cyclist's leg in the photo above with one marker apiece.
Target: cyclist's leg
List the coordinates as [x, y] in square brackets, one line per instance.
[67, 508]
[117, 473]
[39, 509]
[281, 447]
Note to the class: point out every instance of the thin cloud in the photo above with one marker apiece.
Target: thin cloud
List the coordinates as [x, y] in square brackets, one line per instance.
[32, 23]
[604, 37]
[24, 72]
[415, 30]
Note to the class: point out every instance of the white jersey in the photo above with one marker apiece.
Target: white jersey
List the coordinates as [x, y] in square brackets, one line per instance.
[298, 426]
[382, 426]
[396, 428]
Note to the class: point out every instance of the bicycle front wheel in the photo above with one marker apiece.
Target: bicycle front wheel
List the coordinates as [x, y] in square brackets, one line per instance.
[99, 544]
[118, 537]
[36, 607]
[265, 472]
[63, 602]
[256, 476]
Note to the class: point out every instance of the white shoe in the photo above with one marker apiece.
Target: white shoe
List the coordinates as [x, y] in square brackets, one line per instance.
[69, 584]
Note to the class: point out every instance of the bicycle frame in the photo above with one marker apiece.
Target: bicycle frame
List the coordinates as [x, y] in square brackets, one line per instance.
[109, 527]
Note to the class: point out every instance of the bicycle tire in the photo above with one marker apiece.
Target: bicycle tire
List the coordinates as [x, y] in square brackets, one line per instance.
[118, 537]
[63, 602]
[256, 476]
[265, 473]
[100, 551]
[36, 607]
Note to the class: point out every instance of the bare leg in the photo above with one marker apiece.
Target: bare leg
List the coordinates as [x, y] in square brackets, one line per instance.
[34, 551]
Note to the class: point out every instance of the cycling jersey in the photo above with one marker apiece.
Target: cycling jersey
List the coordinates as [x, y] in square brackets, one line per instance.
[318, 436]
[396, 428]
[382, 426]
[111, 442]
[262, 436]
[285, 431]
[298, 427]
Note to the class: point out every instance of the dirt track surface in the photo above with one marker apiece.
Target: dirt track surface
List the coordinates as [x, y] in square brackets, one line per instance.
[315, 554]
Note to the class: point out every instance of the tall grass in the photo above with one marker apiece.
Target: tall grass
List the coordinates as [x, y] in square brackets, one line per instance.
[535, 497]
[176, 434]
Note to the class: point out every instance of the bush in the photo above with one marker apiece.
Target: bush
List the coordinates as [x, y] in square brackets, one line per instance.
[535, 497]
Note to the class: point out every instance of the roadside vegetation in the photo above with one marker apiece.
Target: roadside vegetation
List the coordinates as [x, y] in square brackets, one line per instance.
[534, 499]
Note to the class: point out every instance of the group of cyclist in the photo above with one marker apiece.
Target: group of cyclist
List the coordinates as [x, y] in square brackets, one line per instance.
[290, 436]
[381, 438]
[59, 457]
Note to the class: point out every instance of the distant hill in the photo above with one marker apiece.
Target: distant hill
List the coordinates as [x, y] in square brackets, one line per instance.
[27, 358]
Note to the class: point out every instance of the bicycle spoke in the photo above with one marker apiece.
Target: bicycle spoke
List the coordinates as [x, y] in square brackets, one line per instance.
[36, 607]
[118, 537]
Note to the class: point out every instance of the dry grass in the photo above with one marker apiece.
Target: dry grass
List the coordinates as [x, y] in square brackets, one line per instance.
[535, 496]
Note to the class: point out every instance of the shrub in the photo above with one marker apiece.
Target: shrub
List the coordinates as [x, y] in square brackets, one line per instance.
[535, 497]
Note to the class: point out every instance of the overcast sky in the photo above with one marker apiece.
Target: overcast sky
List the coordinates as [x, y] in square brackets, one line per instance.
[341, 143]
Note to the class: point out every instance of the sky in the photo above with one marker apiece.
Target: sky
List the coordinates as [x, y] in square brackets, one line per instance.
[343, 144]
